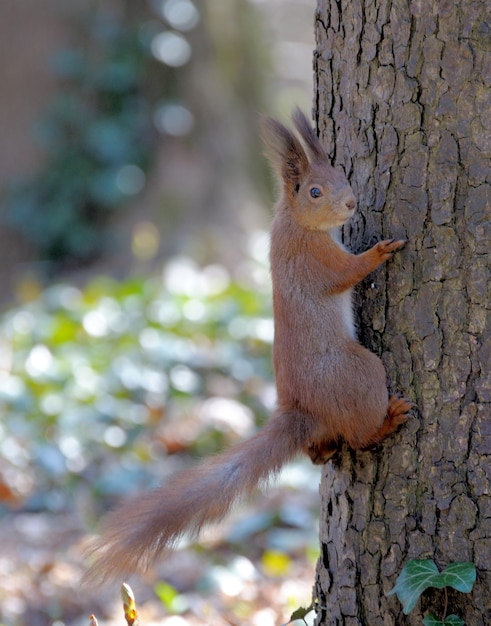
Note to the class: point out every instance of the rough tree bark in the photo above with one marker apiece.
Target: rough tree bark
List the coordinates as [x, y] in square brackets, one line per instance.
[403, 104]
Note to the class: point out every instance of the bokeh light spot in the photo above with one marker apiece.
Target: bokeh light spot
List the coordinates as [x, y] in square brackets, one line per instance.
[174, 119]
[130, 180]
[171, 48]
[145, 241]
[181, 14]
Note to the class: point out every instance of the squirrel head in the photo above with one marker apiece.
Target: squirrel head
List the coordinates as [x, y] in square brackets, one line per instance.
[317, 195]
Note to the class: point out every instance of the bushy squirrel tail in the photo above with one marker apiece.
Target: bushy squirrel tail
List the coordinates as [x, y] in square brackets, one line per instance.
[142, 528]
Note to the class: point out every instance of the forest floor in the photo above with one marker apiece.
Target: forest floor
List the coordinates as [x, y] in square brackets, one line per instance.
[255, 569]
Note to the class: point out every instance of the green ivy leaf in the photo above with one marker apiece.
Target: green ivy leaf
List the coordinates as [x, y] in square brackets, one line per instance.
[415, 577]
[418, 575]
[451, 620]
[301, 612]
[431, 620]
[454, 620]
[460, 576]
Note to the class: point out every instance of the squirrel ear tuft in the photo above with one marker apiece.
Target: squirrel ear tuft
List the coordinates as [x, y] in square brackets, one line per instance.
[308, 134]
[285, 153]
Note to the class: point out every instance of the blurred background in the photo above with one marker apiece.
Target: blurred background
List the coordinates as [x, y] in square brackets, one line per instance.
[129, 129]
[135, 325]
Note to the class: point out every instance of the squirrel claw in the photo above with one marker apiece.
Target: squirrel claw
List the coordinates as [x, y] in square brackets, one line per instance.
[388, 247]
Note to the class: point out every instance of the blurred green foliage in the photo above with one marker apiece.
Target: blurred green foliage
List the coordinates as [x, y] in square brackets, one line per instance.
[98, 384]
[97, 139]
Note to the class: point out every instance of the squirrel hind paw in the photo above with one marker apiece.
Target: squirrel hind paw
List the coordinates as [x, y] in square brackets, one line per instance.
[397, 414]
[398, 409]
[320, 453]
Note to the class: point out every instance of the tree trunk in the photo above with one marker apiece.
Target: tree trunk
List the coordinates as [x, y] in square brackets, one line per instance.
[403, 104]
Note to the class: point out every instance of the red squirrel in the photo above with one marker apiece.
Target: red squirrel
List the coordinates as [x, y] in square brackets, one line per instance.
[329, 387]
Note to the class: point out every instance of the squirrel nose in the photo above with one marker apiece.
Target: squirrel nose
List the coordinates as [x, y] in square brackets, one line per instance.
[350, 203]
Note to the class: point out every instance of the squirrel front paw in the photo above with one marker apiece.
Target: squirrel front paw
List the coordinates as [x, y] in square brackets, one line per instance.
[388, 247]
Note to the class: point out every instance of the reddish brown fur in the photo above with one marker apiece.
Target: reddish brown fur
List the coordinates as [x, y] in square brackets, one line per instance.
[329, 386]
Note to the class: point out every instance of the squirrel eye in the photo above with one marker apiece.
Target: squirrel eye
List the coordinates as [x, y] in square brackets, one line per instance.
[315, 192]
